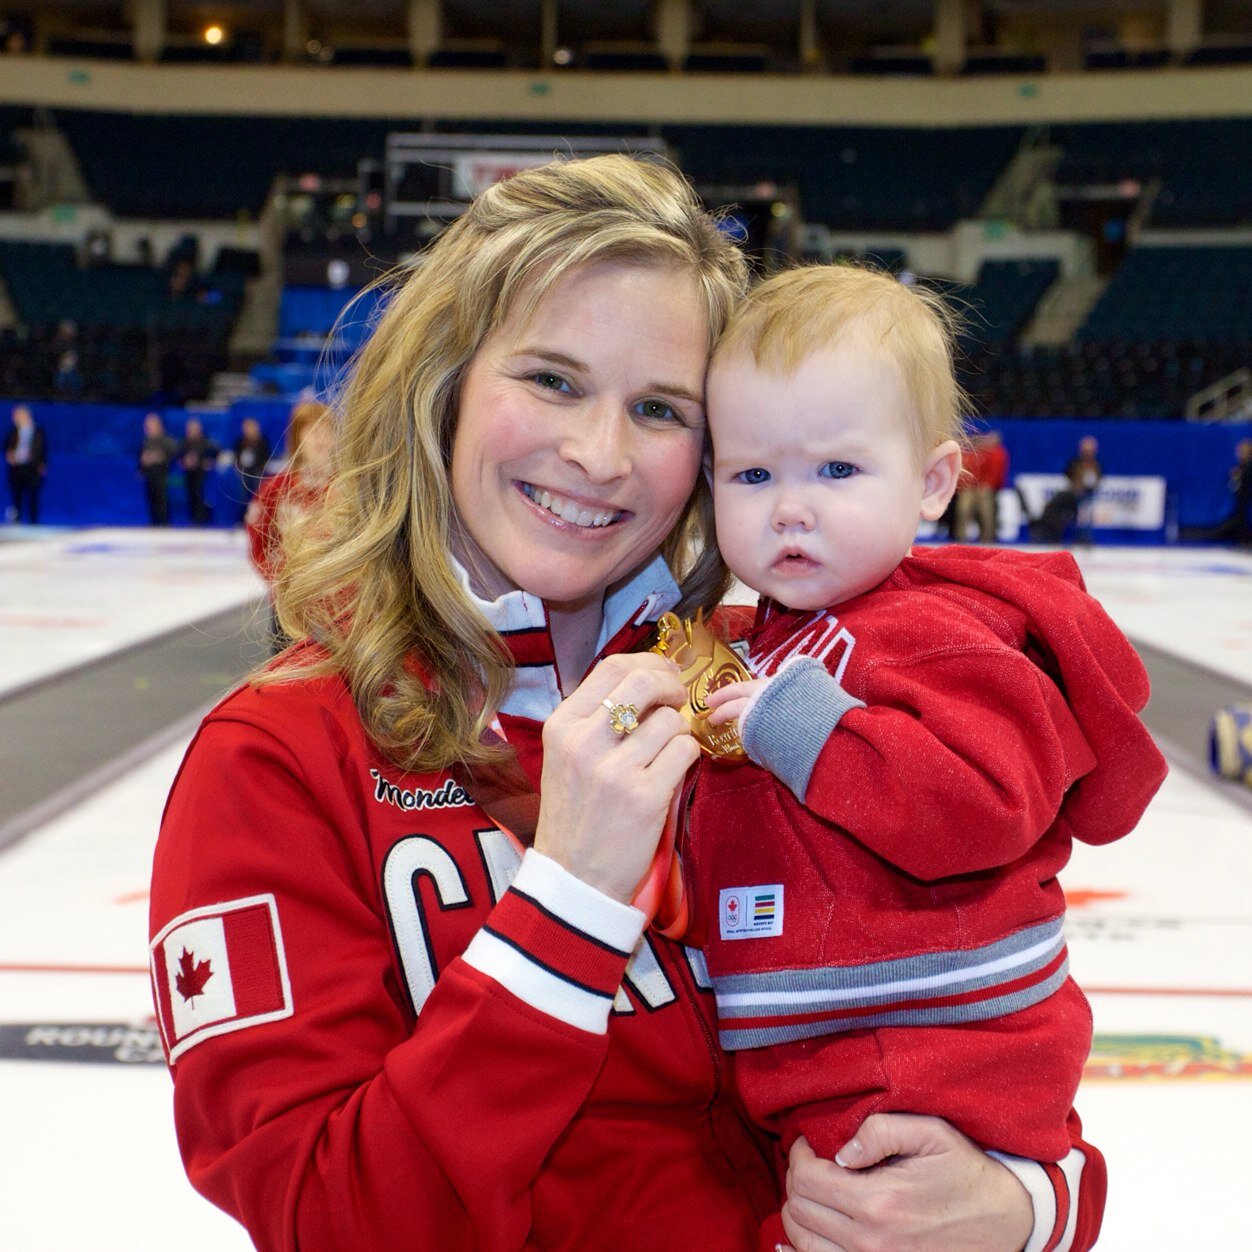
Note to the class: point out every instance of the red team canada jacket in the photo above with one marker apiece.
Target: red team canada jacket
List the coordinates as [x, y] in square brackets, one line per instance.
[387, 1031]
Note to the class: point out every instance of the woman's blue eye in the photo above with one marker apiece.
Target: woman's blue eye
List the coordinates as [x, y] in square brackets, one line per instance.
[657, 411]
[837, 469]
[752, 477]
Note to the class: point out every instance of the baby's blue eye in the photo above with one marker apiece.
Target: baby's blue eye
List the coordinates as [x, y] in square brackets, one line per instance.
[753, 476]
[837, 469]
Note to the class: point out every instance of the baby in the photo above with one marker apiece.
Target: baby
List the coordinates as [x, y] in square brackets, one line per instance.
[929, 730]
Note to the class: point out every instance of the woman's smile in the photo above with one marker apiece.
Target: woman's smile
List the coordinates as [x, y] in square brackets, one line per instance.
[569, 509]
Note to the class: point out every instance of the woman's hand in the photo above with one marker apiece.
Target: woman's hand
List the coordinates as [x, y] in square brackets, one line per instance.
[604, 795]
[906, 1184]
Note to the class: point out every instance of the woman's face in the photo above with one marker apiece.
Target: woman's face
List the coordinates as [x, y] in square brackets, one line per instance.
[580, 432]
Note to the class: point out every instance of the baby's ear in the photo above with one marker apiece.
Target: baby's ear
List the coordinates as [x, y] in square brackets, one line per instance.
[940, 472]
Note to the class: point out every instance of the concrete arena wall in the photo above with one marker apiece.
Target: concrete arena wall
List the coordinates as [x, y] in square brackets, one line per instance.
[657, 97]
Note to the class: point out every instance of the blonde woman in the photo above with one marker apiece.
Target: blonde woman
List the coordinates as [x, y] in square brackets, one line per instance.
[405, 1004]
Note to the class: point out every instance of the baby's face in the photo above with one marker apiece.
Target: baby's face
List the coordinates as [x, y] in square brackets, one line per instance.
[817, 482]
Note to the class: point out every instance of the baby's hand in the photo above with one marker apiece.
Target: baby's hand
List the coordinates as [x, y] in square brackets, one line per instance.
[730, 703]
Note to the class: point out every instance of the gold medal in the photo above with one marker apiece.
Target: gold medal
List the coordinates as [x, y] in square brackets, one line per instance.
[705, 664]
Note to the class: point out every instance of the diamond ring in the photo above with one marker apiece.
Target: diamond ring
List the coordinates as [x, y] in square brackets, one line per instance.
[624, 718]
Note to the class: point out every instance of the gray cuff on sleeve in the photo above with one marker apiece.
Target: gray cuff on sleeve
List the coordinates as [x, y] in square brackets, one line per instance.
[790, 721]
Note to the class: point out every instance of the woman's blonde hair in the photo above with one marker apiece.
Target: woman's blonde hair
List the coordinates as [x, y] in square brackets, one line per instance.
[792, 315]
[372, 582]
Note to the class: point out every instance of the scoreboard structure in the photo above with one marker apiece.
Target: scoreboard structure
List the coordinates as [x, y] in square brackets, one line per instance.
[434, 177]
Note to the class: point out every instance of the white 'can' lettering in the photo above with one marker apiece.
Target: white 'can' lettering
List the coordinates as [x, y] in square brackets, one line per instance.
[409, 858]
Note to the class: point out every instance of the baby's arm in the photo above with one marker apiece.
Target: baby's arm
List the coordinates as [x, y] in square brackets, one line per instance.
[948, 742]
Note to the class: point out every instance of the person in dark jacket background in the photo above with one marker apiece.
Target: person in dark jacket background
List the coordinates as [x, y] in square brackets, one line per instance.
[156, 454]
[197, 454]
[1237, 528]
[26, 458]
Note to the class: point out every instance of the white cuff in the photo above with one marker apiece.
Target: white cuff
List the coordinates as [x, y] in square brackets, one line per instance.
[598, 916]
[1043, 1198]
[558, 944]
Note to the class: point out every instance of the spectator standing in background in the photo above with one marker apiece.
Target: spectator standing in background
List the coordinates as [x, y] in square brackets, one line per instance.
[1073, 503]
[197, 454]
[1237, 528]
[67, 382]
[986, 470]
[1084, 474]
[285, 498]
[156, 454]
[252, 454]
[26, 457]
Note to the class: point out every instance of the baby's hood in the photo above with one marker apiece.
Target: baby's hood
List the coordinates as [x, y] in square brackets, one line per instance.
[1038, 601]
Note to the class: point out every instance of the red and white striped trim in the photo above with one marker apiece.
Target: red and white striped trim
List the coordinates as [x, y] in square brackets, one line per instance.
[558, 944]
[1053, 1191]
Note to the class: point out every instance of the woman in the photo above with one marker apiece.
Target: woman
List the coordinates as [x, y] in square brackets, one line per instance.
[285, 500]
[421, 1037]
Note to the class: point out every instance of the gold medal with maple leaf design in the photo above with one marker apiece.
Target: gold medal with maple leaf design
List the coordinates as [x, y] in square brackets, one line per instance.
[705, 664]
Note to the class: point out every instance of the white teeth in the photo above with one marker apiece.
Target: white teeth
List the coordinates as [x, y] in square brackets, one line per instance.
[568, 511]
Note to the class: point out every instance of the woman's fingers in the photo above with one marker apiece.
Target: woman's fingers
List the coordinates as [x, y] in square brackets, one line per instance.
[640, 678]
[615, 751]
[817, 1212]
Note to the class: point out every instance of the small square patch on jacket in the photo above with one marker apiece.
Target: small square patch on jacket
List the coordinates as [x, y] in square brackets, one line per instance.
[750, 912]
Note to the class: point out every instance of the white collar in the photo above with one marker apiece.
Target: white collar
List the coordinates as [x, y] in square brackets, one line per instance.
[535, 690]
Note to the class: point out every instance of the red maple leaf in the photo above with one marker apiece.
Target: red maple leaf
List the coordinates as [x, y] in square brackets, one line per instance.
[191, 977]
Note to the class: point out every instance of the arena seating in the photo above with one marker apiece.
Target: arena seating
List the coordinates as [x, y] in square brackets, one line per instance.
[210, 167]
[1005, 297]
[1202, 165]
[851, 177]
[1172, 321]
[856, 177]
[130, 336]
[1176, 293]
[1099, 379]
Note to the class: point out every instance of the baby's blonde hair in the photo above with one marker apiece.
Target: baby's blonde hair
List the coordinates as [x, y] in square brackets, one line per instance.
[373, 583]
[789, 317]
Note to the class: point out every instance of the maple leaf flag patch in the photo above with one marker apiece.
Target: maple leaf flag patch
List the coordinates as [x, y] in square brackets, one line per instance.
[218, 969]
